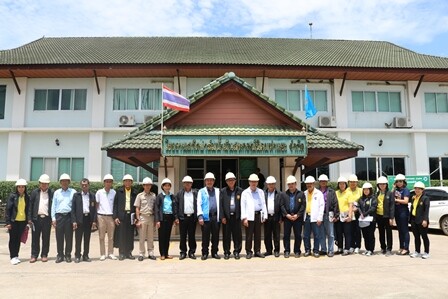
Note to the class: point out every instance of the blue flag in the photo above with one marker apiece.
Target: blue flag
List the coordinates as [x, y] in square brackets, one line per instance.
[310, 110]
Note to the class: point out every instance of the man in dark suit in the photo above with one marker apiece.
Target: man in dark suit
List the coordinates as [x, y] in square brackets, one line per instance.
[272, 224]
[123, 209]
[292, 205]
[231, 216]
[39, 214]
[187, 209]
[83, 219]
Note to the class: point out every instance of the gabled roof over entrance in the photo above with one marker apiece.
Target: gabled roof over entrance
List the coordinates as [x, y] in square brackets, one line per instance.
[229, 106]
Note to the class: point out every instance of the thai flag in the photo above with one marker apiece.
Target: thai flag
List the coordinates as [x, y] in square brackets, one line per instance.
[173, 100]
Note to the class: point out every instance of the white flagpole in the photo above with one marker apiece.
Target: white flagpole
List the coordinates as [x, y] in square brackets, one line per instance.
[161, 125]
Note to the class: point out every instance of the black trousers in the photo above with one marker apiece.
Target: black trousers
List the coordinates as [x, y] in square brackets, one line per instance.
[64, 232]
[232, 231]
[356, 234]
[420, 232]
[42, 227]
[83, 230]
[253, 231]
[288, 225]
[385, 232]
[166, 226]
[125, 236]
[210, 228]
[344, 233]
[368, 233]
[272, 231]
[15, 233]
[187, 228]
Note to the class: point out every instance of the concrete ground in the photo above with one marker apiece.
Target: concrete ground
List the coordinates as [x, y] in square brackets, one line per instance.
[354, 276]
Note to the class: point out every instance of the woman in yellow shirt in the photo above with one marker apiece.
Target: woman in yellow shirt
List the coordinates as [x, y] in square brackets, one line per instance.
[343, 226]
[16, 211]
[420, 220]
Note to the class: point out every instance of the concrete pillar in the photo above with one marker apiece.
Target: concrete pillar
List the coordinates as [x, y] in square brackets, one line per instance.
[14, 154]
[19, 104]
[346, 167]
[99, 103]
[340, 105]
[94, 162]
[419, 160]
[288, 167]
[274, 169]
[415, 113]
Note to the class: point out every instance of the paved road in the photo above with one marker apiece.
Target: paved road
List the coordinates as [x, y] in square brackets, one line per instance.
[354, 276]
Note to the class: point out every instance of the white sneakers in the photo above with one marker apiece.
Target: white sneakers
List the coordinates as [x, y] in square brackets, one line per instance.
[103, 258]
[425, 256]
[356, 250]
[415, 254]
[15, 261]
[112, 257]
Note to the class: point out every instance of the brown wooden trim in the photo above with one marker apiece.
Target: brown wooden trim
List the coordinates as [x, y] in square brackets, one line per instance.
[96, 82]
[144, 166]
[418, 85]
[343, 83]
[15, 81]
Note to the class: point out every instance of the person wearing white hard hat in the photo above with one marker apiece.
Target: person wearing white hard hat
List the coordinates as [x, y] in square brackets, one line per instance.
[314, 216]
[39, 214]
[124, 211]
[144, 213]
[231, 216]
[274, 218]
[367, 209]
[354, 194]
[385, 215]
[165, 217]
[331, 215]
[61, 208]
[292, 206]
[419, 220]
[401, 198]
[84, 219]
[209, 217]
[344, 226]
[253, 214]
[16, 218]
[105, 198]
[187, 199]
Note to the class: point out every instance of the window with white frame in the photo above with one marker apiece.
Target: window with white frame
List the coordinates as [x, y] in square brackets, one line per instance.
[294, 100]
[137, 99]
[318, 171]
[60, 99]
[436, 102]
[376, 101]
[119, 169]
[365, 168]
[54, 167]
[2, 101]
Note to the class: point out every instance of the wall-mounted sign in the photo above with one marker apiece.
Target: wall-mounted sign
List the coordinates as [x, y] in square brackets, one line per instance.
[249, 146]
[411, 180]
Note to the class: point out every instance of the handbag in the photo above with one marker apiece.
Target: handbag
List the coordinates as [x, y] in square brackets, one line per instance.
[24, 236]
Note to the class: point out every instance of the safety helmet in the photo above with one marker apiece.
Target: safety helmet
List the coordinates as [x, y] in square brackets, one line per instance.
[309, 180]
[253, 178]
[419, 185]
[21, 182]
[147, 181]
[64, 176]
[382, 180]
[44, 178]
[367, 185]
[209, 175]
[291, 179]
[127, 177]
[187, 179]
[108, 177]
[270, 180]
[353, 178]
[230, 175]
[342, 179]
[166, 181]
[400, 177]
[323, 177]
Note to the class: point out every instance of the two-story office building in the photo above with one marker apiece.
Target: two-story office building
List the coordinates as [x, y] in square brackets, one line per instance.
[63, 99]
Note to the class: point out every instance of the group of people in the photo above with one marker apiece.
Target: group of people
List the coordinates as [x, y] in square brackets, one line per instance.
[340, 217]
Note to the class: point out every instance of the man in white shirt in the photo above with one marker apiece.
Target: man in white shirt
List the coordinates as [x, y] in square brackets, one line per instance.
[187, 207]
[314, 212]
[273, 219]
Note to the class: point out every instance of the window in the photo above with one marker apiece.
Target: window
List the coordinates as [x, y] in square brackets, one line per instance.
[2, 101]
[54, 167]
[60, 99]
[318, 171]
[436, 102]
[294, 100]
[137, 99]
[434, 169]
[376, 101]
[119, 169]
[366, 167]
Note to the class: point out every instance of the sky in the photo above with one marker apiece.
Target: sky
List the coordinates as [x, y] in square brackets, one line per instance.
[418, 25]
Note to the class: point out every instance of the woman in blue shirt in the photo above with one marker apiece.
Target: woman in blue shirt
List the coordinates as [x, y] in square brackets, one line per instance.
[165, 216]
[401, 195]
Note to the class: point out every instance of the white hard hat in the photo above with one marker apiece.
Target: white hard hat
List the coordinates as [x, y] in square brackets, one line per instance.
[64, 176]
[253, 178]
[187, 179]
[166, 181]
[230, 175]
[44, 179]
[353, 178]
[147, 181]
[342, 179]
[270, 180]
[21, 182]
[108, 177]
[127, 177]
[367, 185]
[291, 179]
[382, 180]
[309, 180]
[209, 175]
[419, 185]
[323, 177]
[400, 177]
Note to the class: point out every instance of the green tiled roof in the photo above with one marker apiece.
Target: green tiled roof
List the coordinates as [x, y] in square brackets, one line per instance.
[219, 50]
[146, 137]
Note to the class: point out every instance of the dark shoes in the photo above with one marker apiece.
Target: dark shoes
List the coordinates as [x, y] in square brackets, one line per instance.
[316, 254]
[140, 258]
[130, 257]
[276, 253]
[307, 253]
[216, 256]
[68, 259]
[59, 259]
[259, 254]
[204, 257]
[249, 255]
[236, 255]
[77, 260]
[151, 257]
[226, 256]
[297, 255]
[330, 254]
[182, 256]
[86, 258]
[192, 256]
[286, 255]
[121, 257]
[268, 253]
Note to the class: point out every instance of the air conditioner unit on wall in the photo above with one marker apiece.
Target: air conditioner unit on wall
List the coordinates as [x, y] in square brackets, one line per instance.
[127, 120]
[327, 122]
[402, 122]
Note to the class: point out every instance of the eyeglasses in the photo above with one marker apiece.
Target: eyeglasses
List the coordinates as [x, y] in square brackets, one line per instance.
[399, 181]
